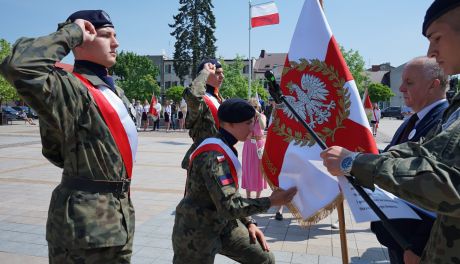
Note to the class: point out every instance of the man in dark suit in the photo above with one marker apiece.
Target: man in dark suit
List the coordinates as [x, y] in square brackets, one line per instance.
[423, 87]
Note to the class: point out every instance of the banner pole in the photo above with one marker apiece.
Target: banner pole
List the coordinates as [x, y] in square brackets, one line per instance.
[343, 232]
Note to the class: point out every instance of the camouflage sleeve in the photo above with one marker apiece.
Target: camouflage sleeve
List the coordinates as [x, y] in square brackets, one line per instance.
[414, 172]
[224, 193]
[30, 69]
[194, 97]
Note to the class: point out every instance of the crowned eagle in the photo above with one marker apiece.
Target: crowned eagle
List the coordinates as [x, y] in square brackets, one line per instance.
[310, 100]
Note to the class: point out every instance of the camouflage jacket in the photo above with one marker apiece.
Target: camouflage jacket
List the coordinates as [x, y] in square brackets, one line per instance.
[211, 205]
[75, 138]
[428, 175]
[199, 119]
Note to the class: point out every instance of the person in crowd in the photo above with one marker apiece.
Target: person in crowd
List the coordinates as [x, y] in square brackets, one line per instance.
[213, 218]
[253, 180]
[86, 130]
[375, 118]
[423, 87]
[424, 173]
[167, 115]
[172, 120]
[139, 109]
[182, 114]
[145, 114]
[27, 119]
[156, 121]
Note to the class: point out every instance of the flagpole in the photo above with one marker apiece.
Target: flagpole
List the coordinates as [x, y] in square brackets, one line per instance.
[250, 60]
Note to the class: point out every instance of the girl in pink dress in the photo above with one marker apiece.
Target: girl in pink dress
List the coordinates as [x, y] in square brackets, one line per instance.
[252, 180]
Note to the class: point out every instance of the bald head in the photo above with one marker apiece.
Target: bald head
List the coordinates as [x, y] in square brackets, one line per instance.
[430, 70]
[423, 83]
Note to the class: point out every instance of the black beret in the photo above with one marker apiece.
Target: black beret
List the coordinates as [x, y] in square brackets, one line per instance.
[436, 10]
[99, 18]
[235, 110]
[203, 62]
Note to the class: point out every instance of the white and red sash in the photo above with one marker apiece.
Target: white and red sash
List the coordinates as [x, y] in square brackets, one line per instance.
[216, 144]
[213, 105]
[117, 119]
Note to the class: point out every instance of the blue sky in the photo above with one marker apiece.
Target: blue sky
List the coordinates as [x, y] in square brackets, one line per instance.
[382, 31]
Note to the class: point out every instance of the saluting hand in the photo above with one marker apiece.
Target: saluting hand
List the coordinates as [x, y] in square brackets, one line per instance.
[211, 68]
[89, 31]
[281, 197]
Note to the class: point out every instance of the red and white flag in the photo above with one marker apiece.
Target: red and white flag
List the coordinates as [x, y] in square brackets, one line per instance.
[319, 85]
[264, 14]
[153, 111]
[367, 104]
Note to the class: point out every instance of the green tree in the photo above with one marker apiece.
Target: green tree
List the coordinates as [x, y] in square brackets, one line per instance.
[7, 92]
[356, 64]
[194, 28]
[379, 92]
[236, 84]
[175, 93]
[259, 86]
[136, 75]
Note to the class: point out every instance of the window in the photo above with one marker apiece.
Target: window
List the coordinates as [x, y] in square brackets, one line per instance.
[169, 68]
[246, 69]
[167, 85]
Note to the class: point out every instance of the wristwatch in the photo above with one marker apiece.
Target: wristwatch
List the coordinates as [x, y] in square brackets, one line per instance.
[251, 221]
[347, 163]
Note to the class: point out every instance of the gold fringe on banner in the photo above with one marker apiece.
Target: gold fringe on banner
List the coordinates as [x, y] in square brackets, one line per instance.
[318, 216]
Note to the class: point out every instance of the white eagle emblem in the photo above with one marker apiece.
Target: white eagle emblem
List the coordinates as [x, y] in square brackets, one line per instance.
[310, 100]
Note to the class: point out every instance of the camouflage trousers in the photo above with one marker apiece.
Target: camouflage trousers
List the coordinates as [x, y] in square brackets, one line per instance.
[235, 245]
[118, 255]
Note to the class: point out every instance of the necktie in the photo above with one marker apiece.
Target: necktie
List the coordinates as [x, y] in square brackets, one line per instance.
[409, 127]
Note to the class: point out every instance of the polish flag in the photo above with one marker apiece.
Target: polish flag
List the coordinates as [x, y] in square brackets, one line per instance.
[264, 14]
[319, 85]
[153, 111]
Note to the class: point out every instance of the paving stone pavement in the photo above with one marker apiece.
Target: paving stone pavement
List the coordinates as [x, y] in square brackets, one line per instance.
[27, 180]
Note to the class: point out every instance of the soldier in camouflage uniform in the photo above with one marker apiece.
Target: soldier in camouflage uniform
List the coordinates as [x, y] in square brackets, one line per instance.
[91, 217]
[200, 120]
[426, 173]
[212, 216]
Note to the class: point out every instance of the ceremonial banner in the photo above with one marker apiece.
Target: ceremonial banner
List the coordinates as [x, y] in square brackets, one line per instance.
[264, 15]
[317, 82]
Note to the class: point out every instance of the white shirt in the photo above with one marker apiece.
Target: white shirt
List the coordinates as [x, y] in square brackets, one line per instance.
[422, 113]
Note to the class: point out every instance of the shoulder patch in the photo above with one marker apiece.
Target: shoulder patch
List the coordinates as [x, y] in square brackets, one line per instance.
[226, 179]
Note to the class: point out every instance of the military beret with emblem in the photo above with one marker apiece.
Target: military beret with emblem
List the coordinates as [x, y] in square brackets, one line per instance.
[235, 110]
[99, 18]
[436, 10]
